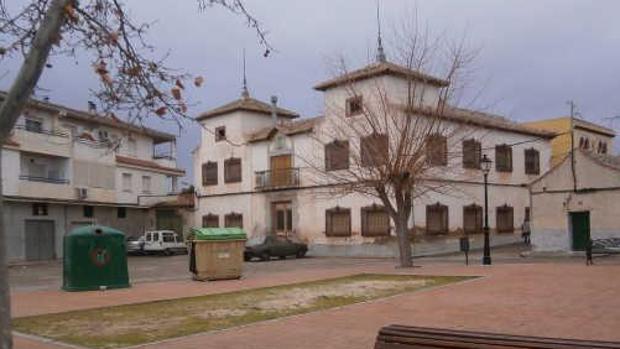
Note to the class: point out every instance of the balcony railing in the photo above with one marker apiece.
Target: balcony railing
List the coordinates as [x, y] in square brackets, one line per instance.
[44, 179]
[42, 131]
[274, 179]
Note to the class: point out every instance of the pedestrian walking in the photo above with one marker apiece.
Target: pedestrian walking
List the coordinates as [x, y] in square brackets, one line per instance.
[589, 260]
[526, 232]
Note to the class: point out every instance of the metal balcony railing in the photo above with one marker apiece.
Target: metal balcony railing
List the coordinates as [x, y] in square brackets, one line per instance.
[44, 179]
[273, 179]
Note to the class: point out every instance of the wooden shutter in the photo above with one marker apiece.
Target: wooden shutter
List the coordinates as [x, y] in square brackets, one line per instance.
[209, 173]
[532, 161]
[437, 219]
[338, 222]
[354, 105]
[375, 221]
[337, 155]
[505, 219]
[211, 221]
[471, 154]
[233, 220]
[232, 170]
[374, 150]
[503, 158]
[472, 219]
[437, 150]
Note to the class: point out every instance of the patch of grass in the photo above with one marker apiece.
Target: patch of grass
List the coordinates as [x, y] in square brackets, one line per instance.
[126, 325]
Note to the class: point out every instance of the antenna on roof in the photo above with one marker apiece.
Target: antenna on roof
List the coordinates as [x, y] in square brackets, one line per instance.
[380, 52]
[244, 92]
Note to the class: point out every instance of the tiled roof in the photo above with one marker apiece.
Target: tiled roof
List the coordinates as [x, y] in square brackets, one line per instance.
[148, 164]
[288, 128]
[380, 68]
[247, 104]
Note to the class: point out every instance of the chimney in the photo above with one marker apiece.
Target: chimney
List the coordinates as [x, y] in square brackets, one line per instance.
[274, 113]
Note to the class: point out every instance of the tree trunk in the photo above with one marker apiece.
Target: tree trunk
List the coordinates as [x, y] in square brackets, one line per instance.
[404, 243]
[16, 99]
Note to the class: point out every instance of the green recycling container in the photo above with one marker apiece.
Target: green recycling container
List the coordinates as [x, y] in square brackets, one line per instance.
[95, 258]
[218, 234]
[217, 253]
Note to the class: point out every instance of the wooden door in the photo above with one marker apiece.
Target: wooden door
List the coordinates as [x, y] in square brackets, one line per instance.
[580, 224]
[283, 218]
[281, 170]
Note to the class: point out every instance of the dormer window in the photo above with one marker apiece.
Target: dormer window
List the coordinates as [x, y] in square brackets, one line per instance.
[34, 125]
[354, 106]
[220, 133]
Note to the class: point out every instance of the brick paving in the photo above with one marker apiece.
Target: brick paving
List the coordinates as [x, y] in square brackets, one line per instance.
[564, 299]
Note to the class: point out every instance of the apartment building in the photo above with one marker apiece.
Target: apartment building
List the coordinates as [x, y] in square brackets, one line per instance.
[63, 168]
[251, 170]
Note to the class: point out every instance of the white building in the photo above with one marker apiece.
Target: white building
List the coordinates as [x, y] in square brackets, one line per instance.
[64, 168]
[253, 172]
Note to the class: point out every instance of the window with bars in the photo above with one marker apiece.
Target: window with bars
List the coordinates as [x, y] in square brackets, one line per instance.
[472, 219]
[39, 209]
[504, 217]
[233, 220]
[374, 150]
[210, 221]
[437, 219]
[472, 153]
[220, 133]
[375, 221]
[209, 173]
[354, 105]
[232, 170]
[503, 158]
[338, 222]
[121, 212]
[337, 155]
[437, 150]
[532, 161]
[88, 211]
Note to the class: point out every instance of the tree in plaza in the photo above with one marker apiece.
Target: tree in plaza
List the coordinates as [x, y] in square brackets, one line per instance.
[131, 80]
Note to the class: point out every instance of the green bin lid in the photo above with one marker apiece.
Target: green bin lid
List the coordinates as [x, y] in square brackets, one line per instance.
[218, 234]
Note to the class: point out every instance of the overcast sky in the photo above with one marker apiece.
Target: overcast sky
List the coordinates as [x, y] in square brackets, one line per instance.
[535, 55]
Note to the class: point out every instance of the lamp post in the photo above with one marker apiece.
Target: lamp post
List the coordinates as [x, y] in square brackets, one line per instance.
[485, 164]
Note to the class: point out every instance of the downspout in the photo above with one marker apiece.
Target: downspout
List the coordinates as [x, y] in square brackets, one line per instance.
[572, 146]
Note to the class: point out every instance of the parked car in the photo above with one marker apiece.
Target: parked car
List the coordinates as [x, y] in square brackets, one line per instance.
[135, 244]
[166, 242]
[273, 246]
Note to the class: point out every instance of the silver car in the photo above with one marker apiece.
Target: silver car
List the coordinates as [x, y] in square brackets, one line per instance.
[135, 245]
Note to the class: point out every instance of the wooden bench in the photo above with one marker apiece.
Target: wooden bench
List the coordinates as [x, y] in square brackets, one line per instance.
[405, 337]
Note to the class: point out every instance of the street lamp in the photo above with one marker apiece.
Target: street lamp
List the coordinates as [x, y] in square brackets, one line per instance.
[485, 164]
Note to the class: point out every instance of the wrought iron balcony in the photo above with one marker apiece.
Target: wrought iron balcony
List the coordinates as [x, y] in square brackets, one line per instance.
[277, 179]
[44, 179]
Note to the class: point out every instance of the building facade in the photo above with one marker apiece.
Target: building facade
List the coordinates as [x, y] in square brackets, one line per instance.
[63, 168]
[252, 169]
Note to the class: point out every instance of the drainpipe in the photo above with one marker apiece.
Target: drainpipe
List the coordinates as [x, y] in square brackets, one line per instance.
[274, 113]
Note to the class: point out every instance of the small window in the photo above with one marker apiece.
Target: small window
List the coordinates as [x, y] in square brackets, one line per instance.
[338, 222]
[374, 150]
[354, 106]
[472, 150]
[532, 161]
[375, 221]
[155, 236]
[89, 211]
[39, 209]
[437, 219]
[337, 155]
[209, 173]
[504, 219]
[503, 158]
[232, 170]
[437, 150]
[127, 182]
[602, 147]
[527, 213]
[472, 219]
[220, 133]
[168, 237]
[233, 220]
[211, 221]
[34, 125]
[121, 212]
[146, 184]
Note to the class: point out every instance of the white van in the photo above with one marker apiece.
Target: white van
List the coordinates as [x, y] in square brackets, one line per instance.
[163, 241]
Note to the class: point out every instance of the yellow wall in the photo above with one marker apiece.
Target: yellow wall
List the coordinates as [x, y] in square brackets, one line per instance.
[560, 145]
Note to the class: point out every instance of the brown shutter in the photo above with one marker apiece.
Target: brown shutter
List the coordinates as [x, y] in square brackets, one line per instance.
[375, 221]
[209, 173]
[233, 220]
[211, 221]
[437, 219]
[232, 170]
[437, 150]
[337, 155]
[471, 154]
[374, 150]
[504, 219]
[532, 161]
[503, 158]
[338, 222]
[472, 219]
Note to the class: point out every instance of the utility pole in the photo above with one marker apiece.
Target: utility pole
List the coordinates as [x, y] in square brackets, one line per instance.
[572, 143]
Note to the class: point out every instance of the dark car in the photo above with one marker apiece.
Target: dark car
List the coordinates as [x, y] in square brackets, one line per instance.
[273, 246]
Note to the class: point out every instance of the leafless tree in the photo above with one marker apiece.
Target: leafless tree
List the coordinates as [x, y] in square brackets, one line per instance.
[132, 82]
[391, 145]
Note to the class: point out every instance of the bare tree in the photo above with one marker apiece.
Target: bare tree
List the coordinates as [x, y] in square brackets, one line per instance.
[393, 144]
[132, 82]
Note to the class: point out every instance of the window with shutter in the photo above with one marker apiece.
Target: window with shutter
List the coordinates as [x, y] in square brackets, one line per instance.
[337, 155]
[505, 219]
[354, 106]
[232, 170]
[503, 158]
[472, 219]
[436, 219]
[532, 161]
[375, 221]
[209, 173]
[338, 222]
[472, 151]
[374, 150]
[233, 220]
[437, 150]
[211, 221]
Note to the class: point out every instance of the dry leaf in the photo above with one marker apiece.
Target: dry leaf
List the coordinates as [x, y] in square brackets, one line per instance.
[161, 111]
[198, 81]
[180, 84]
[176, 93]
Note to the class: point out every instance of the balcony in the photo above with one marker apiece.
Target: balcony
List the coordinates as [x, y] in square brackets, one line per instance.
[52, 180]
[277, 179]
